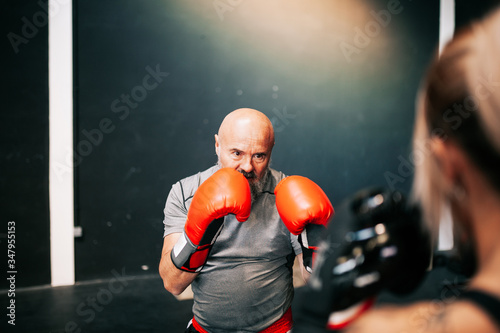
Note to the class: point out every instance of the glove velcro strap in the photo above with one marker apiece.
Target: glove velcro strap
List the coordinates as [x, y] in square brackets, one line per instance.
[189, 257]
[182, 252]
[340, 319]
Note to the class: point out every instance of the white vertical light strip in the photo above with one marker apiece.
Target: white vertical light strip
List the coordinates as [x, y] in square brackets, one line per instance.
[445, 239]
[446, 31]
[61, 143]
[446, 22]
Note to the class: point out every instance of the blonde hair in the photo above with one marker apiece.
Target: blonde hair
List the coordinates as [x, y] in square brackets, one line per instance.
[459, 100]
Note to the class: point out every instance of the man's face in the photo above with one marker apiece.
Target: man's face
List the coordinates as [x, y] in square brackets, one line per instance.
[249, 156]
[244, 143]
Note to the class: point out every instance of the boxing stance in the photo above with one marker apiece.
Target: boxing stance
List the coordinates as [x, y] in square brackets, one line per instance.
[231, 232]
[301, 204]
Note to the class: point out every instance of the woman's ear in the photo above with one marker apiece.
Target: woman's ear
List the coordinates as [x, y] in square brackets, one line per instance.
[450, 159]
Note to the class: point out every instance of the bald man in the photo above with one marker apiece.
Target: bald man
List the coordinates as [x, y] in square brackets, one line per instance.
[242, 276]
[244, 143]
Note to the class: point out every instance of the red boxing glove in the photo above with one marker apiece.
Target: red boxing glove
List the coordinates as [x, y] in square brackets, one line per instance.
[226, 192]
[306, 210]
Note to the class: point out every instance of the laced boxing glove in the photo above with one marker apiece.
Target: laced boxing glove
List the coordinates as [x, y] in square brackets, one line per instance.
[226, 192]
[375, 241]
[305, 210]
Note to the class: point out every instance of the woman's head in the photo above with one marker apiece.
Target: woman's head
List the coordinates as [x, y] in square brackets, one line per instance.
[458, 109]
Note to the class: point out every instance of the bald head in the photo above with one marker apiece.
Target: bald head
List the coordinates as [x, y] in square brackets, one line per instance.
[247, 124]
[244, 143]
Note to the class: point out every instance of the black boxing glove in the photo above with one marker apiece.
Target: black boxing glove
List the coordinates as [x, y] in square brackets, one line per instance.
[375, 241]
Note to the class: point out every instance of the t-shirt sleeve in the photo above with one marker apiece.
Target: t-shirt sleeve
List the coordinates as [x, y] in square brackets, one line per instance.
[175, 212]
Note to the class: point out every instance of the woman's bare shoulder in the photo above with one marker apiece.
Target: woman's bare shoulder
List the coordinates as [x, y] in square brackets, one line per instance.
[430, 317]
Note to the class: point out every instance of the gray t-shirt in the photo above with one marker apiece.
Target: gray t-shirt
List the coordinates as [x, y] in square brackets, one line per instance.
[246, 284]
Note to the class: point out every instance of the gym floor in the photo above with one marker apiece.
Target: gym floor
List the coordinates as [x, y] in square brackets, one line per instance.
[134, 304]
[141, 304]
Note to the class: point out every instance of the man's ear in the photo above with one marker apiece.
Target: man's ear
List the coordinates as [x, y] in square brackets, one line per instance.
[216, 144]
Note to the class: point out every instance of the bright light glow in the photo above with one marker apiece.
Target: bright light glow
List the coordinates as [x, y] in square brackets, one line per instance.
[61, 143]
[446, 31]
[446, 22]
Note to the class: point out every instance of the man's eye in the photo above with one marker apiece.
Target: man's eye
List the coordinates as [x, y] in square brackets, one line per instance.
[260, 157]
[236, 153]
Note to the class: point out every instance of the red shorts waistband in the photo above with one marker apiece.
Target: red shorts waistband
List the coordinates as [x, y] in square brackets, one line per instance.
[282, 325]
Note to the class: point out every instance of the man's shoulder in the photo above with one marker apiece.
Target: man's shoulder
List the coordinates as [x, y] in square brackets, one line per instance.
[273, 180]
[277, 175]
[190, 184]
[202, 175]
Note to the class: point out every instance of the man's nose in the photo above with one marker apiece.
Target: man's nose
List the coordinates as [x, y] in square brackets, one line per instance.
[246, 165]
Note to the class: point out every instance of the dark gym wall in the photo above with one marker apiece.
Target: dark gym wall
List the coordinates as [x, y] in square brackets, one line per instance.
[467, 10]
[155, 79]
[24, 144]
[344, 124]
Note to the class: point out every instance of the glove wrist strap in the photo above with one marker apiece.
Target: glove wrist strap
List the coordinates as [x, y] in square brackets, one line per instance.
[189, 257]
[182, 252]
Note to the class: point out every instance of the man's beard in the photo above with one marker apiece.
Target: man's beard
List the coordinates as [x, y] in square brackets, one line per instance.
[256, 185]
